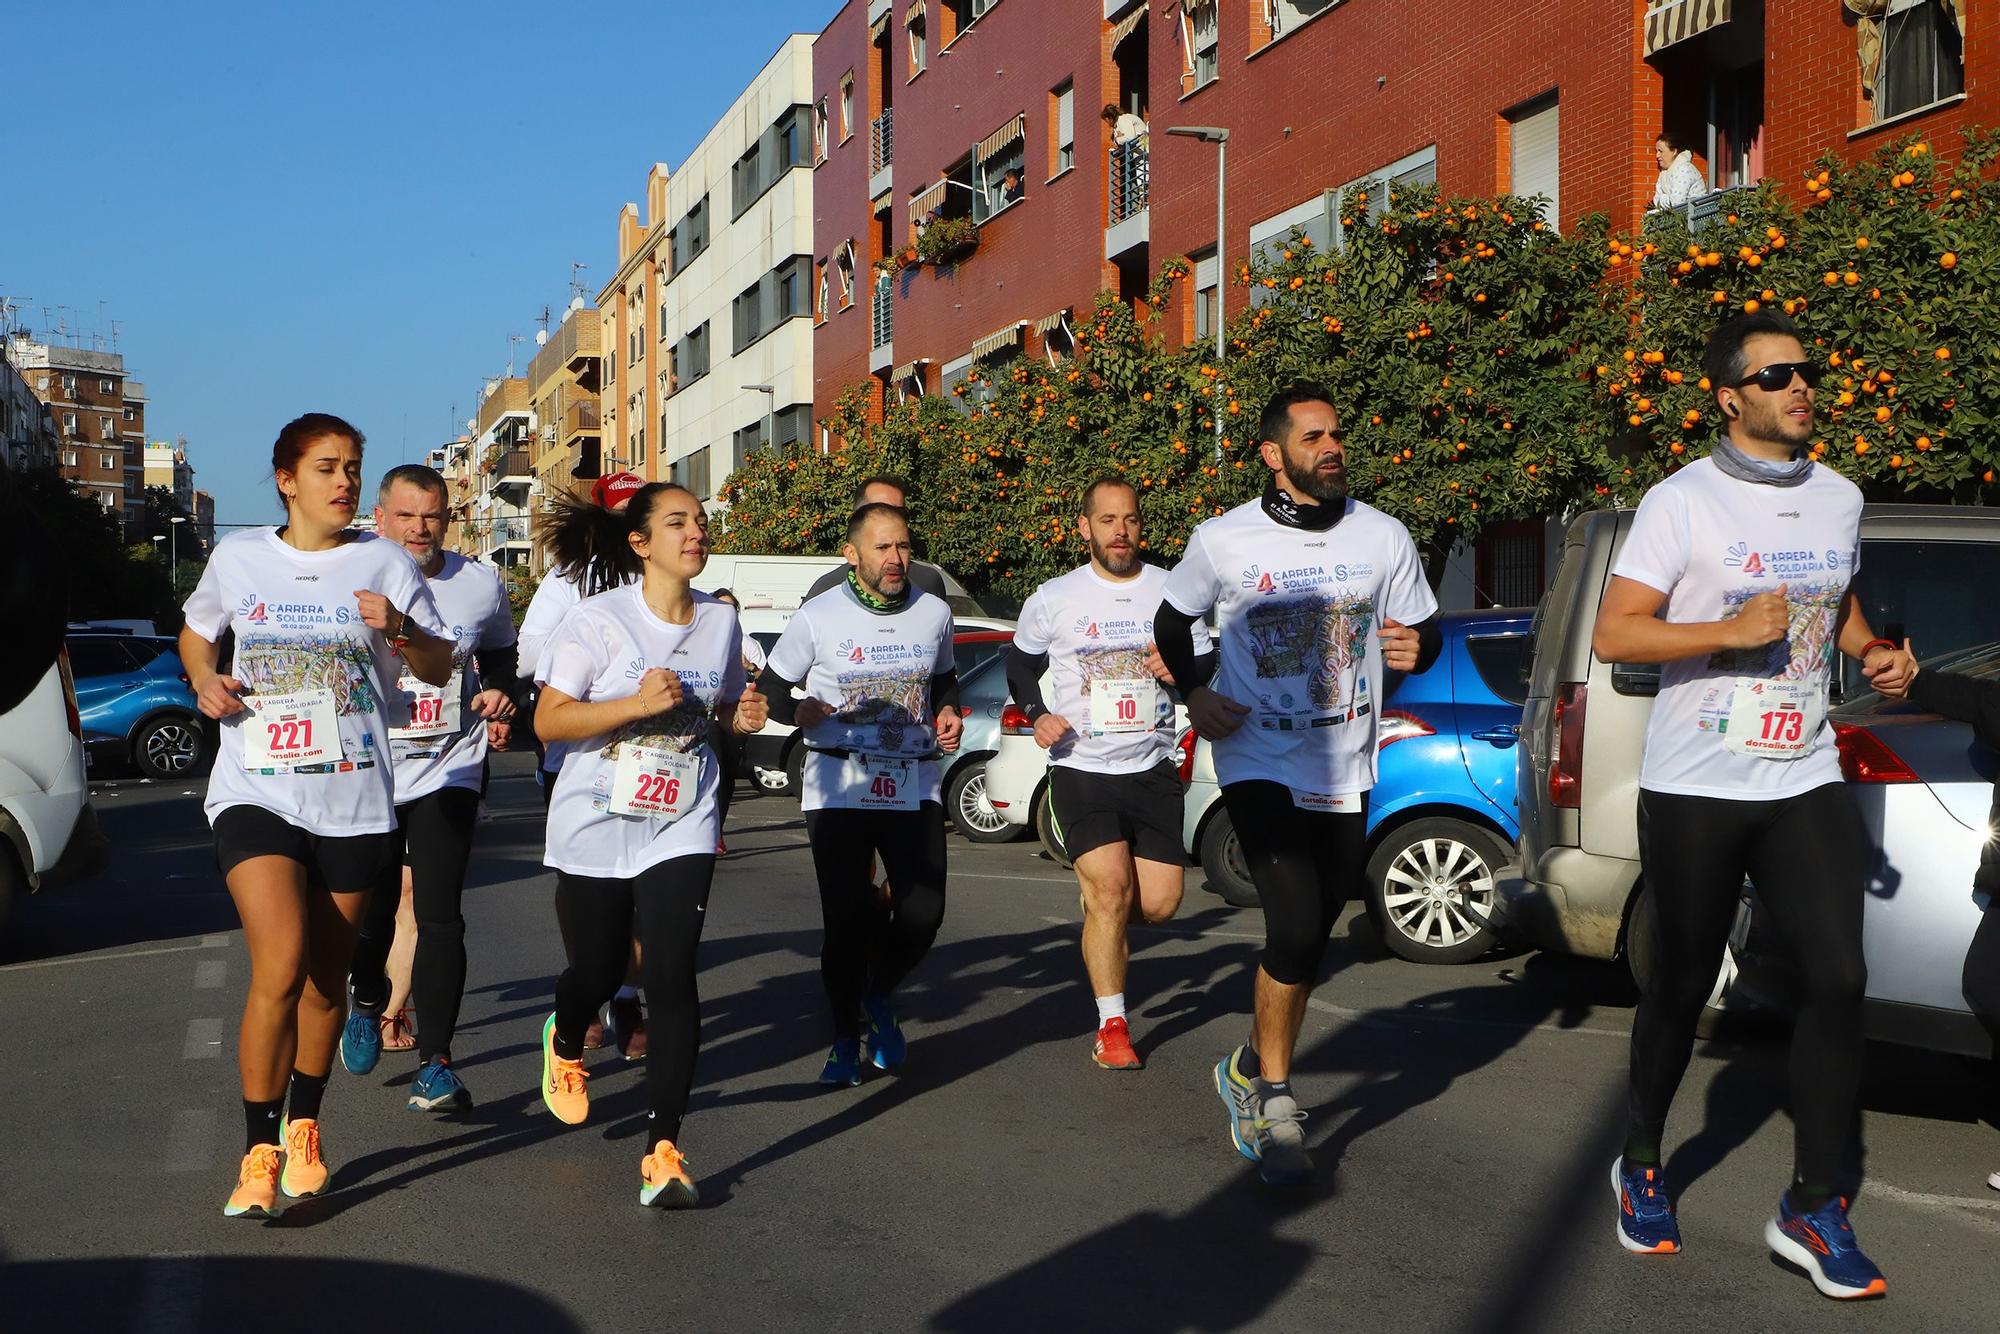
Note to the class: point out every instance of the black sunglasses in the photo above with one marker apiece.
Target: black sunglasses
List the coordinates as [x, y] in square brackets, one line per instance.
[1779, 374]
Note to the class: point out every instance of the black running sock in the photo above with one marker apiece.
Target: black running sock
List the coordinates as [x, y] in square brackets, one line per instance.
[1280, 1089]
[1807, 1197]
[569, 1051]
[1247, 1064]
[260, 1122]
[307, 1091]
[1642, 1153]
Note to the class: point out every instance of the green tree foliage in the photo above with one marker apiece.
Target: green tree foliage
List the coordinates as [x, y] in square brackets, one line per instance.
[85, 546]
[1486, 369]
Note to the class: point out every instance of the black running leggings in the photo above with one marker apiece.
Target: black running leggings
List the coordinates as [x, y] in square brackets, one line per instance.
[1305, 865]
[1806, 856]
[866, 953]
[434, 835]
[671, 898]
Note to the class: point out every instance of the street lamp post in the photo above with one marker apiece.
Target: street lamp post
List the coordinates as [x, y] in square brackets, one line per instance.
[173, 545]
[1219, 136]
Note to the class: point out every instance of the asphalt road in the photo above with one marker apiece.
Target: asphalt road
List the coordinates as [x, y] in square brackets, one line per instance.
[1463, 1121]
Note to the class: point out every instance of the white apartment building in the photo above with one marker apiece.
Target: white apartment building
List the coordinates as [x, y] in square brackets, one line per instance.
[713, 293]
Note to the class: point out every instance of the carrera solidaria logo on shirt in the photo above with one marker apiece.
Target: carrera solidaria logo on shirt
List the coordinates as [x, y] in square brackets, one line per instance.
[1086, 627]
[1782, 565]
[852, 651]
[1303, 578]
[294, 615]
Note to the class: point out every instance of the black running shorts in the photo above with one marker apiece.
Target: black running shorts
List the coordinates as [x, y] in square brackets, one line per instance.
[1142, 809]
[344, 865]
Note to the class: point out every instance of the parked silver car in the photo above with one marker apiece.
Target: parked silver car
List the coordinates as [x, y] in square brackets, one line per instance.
[1926, 571]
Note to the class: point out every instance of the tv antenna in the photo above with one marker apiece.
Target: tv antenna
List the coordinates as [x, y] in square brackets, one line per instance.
[543, 320]
[576, 270]
[513, 342]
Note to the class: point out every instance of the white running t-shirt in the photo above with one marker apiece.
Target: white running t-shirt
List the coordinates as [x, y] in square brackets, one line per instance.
[875, 670]
[1297, 614]
[1097, 633]
[435, 738]
[602, 649]
[1711, 542]
[312, 745]
[554, 597]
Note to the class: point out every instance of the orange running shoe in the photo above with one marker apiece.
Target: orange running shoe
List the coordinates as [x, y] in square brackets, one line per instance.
[565, 1086]
[256, 1193]
[305, 1171]
[664, 1179]
[1113, 1050]
[398, 1033]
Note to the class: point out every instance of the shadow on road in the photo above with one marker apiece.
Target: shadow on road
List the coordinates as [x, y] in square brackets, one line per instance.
[226, 1294]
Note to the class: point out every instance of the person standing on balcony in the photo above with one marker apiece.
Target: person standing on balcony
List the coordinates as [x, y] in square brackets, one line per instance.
[1126, 126]
[1681, 182]
[1736, 579]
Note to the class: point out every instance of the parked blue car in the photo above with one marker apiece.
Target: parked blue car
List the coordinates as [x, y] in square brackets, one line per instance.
[1441, 820]
[136, 706]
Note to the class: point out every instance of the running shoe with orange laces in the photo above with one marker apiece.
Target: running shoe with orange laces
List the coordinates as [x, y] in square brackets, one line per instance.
[305, 1171]
[565, 1086]
[664, 1179]
[256, 1193]
[1113, 1049]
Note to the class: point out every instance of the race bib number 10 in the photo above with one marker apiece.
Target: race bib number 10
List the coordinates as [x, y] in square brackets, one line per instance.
[290, 731]
[1122, 706]
[655, 783]
[1777, 720]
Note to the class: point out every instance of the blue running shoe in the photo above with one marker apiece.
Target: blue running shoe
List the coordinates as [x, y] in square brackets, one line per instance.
[1646, 1222]
[437, 1088]
[360, 1036]
[1239, 1095]
[886, 1047]
[1822, 1243]
[843, 1064]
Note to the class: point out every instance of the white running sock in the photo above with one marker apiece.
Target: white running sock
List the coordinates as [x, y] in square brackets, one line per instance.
[1109, 1008]
[628, 993]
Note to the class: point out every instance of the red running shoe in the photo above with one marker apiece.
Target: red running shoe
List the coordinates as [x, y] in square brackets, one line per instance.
[1113, 1049]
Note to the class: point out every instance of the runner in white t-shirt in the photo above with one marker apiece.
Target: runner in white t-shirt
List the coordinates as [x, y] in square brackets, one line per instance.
[438, 739]
[732, 748]
[580, 568]
[1316, 596]
[302, 795]
[1107, 721]
[1735, 577]
[875, 657]
[630, 684]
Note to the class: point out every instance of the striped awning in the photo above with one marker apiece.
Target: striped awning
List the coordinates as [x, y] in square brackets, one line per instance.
[999, 340]
[1001, 139]
[920, 10]
[881, 205]
[908, 369]
[1126, 27]
[1671, 21]
[1048, 322]
[927, 200]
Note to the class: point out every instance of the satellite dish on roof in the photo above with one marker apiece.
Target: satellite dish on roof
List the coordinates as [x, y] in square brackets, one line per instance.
[541, 337]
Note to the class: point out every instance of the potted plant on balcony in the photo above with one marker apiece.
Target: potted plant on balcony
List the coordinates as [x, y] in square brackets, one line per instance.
[943, 240]
[889, 265]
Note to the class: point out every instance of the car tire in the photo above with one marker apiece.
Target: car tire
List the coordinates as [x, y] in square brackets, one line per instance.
[968, 810]
[1445, 878]
[13, 883]
[1222, 860]
[1045, 829]
[795, 772]
[169, 747]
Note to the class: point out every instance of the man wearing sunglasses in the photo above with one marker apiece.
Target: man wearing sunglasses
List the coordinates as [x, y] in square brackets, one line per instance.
[1735, 578]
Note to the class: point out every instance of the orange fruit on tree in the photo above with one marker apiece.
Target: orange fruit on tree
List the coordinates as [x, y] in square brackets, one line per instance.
[1923, 444]
[1948, 260]
[1850, 277]
[1895, 460]
[1752, 306]
[1943, 354]
[1677, 447]
[1860, 243]
[1860, 445]
[1882, 414]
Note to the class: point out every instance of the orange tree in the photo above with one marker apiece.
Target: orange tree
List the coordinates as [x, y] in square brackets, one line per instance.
[1888, 266]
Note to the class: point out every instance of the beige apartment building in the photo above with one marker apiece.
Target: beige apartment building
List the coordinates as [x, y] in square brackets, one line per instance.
[707, 322]
[99, 420]
[167, 465]
[563, 388]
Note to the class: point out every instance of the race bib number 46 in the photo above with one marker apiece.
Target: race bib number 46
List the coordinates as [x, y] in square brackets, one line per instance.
[290, 731]
[1777, 720]
[888, 785]
[425, 710]
[1121, 706]
[655, 783]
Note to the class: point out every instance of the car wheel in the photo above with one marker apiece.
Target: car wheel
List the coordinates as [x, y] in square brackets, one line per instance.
[971, 813]
[1432, 886]
[1222, 859]
[169, 747]
[795, 772]
[1045, 829]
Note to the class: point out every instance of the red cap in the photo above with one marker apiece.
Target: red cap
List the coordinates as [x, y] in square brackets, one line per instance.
[614, 487]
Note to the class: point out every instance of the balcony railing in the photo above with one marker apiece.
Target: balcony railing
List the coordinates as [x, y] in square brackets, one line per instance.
[1130, 175]
[882, 140]
[509, 530]
[581, 419]
[884, 309]
[1700, 212]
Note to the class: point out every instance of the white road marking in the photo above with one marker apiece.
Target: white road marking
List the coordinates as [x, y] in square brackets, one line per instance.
[191, 1142]
[215, 941]
[1981, 1214]
[208, 974]
[204, 1040]
[169, 1296]
[103, 958]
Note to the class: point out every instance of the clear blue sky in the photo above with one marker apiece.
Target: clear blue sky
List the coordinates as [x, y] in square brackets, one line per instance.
[340, 207]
